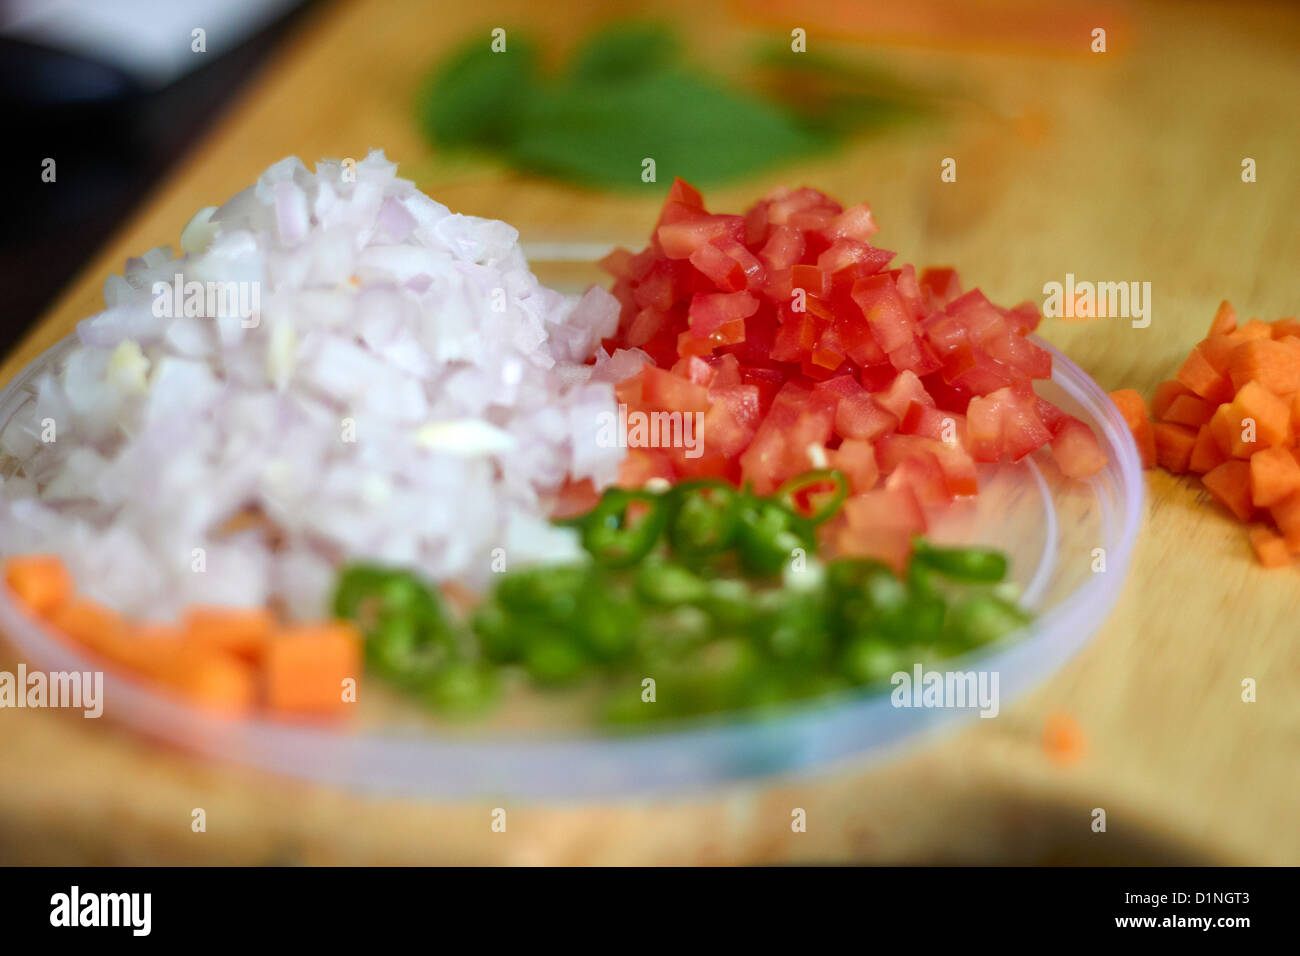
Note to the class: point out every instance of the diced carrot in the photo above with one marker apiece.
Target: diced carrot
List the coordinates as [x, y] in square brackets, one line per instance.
[1165, 394]
[1189, 410]
[1203, 378]
[1134, 410]
[213, 679]
[151, 650]
[1269, 546]
[1225, 319]
[307, 664]
[1173, 446]
[1227, 428]
[39, 581]
[1270, 415]
[1217, 350]
[243, 632]
[1288, 327]
[1274, 475]
[1287, 516]
[90, 624]
[1206, 454]
[1250, 329]
[1230, 485]
[1275, 365]
[1063, 739]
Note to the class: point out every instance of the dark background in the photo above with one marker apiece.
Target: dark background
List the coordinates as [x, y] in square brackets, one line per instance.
[111, 141]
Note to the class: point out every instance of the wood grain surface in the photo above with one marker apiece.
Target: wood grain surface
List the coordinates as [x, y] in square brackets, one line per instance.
[1117, 166]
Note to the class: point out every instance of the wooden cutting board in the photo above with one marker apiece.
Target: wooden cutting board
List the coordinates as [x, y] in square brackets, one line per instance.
[1117, 166]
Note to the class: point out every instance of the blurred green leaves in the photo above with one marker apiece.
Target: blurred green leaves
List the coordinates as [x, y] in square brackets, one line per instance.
[628, 94]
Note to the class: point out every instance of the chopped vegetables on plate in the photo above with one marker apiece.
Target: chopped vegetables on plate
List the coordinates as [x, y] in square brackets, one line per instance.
[245, 506]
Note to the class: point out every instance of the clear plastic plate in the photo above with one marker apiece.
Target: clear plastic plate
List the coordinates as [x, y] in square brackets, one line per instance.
[1050, 526]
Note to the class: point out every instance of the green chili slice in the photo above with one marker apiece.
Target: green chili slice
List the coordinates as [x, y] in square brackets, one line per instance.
[624, 527]
[702, 517]
[980, 565]
[809, 497]
[767, 535]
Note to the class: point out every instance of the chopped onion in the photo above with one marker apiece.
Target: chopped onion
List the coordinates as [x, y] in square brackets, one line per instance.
[337, 367]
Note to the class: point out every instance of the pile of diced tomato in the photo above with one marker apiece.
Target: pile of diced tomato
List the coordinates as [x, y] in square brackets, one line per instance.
[788, 330]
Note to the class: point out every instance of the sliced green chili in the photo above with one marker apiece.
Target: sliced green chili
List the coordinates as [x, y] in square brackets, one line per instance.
[624, 527]
[768, 534]
[983, 565]
[799, 493]
[702, 517]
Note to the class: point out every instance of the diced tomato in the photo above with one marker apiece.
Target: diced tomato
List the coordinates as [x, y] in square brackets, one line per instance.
[729, 265]
[916, 357]
[1020, 354]
[922, 475]
[783, 248]
[1019, 427]
[663, 389]
[902, 392]
[853, 223]
[909, 290]
[681, 238]
[984, 429]
[972, 370]
[857, 414]
[929, 421]
[795, 338]
[1024, 317]
[719, 317]
[857, 459]
[939, 286]
[957, 465]
[945, 333]
[1076, 450]
[683, 192]
[1052, 416]
[643, 465]
[881, 525]
[789, 202]
[845, 254]
[980, 316]
[786, 328]
[813, 427]
[886, 314]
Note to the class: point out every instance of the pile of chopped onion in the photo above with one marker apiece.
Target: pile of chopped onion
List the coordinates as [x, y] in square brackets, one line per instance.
[408, 393]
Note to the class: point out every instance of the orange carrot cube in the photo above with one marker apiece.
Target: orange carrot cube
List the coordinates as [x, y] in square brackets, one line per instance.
[39, 581]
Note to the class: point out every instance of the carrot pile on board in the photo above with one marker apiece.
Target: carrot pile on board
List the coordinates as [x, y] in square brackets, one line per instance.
[1231, 414]
[231, 660]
